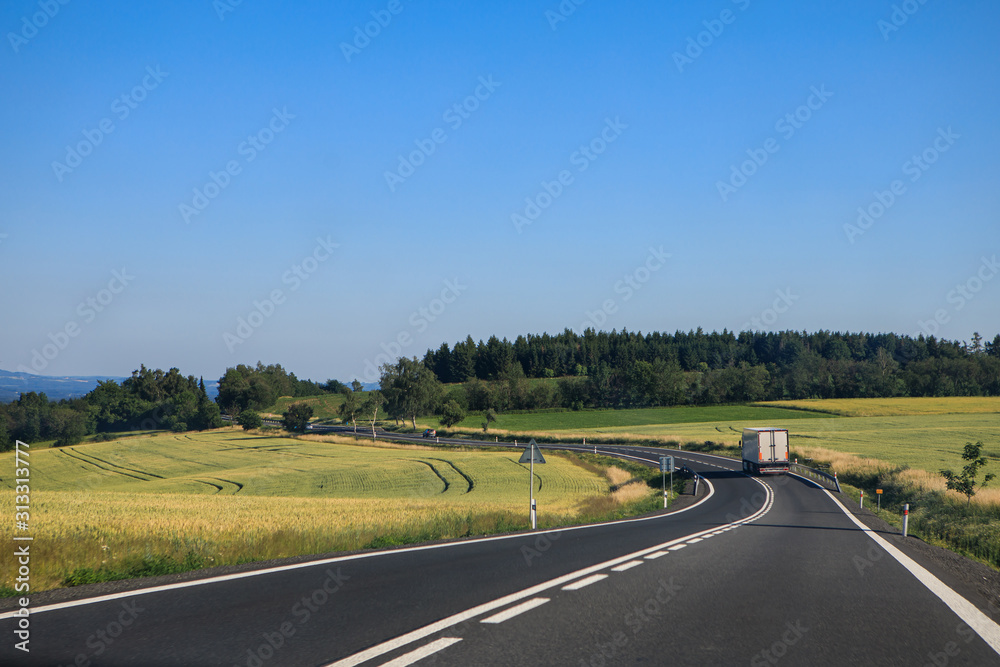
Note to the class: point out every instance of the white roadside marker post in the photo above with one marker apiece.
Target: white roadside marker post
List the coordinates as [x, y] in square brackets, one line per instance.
[529, 455]
[666, 462]
[906, 517]
[531, 489]
[862, 499]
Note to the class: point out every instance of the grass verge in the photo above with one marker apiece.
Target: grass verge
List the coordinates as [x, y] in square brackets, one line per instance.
[937, 516]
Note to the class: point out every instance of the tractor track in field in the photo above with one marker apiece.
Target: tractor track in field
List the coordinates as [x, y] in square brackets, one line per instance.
[115, 465]
[237, 485]
[218, 489]
[76, 456]
[467, 479]
[222, 486]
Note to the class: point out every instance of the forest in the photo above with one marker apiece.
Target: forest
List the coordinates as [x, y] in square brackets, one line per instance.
[625, 369]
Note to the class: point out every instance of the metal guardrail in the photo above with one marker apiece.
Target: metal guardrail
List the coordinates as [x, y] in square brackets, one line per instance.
[822, 478]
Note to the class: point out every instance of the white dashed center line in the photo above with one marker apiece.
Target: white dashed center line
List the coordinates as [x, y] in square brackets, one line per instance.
[515, 610]
[586, 581]
[422, 652]
[627, 566]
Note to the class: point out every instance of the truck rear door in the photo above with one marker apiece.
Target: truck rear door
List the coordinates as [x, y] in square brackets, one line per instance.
[781, 445]
[766, 440]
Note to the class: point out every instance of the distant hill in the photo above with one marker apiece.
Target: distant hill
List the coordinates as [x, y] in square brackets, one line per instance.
[14, 383]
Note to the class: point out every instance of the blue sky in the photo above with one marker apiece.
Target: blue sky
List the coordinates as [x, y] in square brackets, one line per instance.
[713, 159]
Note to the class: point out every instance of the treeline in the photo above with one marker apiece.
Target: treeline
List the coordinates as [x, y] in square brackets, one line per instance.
[150, 399]
[594, 369]
[624, 369]
[257, 388]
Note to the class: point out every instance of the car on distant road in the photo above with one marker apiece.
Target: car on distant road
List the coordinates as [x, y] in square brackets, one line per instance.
[430, 433]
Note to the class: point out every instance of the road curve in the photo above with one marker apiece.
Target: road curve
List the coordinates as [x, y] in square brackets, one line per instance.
[760, 571]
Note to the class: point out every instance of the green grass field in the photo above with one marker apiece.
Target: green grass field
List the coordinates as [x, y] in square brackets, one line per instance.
[925, 433]
[600, 419]
[324, 406]
[929, 442]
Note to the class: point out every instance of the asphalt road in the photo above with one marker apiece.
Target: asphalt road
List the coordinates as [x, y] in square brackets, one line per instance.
[758, 572]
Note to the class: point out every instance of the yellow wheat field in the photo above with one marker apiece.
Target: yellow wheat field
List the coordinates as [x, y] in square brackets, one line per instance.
[894, 407]
[108, 505]
[922, 479]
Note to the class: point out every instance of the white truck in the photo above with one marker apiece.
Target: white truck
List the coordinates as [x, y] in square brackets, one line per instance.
[765, 451]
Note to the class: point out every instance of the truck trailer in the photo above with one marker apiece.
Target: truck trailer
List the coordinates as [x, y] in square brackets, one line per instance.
[765, 451]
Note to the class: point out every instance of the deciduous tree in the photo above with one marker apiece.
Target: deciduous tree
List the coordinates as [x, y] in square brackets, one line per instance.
[297, 416]
[410, 389]
[488, 417]
[372, 404]
[451, 414]
[350, 407]
[965, 482]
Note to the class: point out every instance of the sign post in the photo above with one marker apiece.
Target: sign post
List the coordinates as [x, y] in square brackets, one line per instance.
[666, 465]
[878, 492]
[530, 456]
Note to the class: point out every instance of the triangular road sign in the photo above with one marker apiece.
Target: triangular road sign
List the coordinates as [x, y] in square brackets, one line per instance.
[532, 454]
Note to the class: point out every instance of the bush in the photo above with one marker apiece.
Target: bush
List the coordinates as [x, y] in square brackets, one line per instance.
[249, 419]
[68, 440]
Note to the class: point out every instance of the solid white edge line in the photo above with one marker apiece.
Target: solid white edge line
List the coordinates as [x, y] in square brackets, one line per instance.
[806, 479]
[422, 652]
[586, 581]
[110, 597]
[418, 634]
[965, 610]
[511, 612]
[627, 566]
